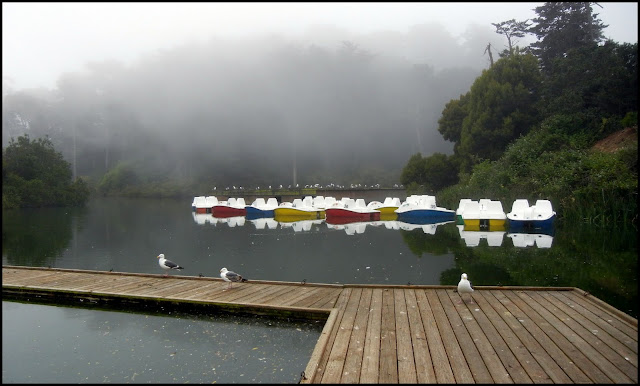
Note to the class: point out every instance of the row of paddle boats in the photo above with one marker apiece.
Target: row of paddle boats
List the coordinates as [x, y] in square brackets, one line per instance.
[480, 214]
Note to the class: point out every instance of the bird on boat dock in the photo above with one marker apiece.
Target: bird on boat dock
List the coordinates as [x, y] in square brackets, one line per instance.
[231, 277]
[464, 287]
[167, 265]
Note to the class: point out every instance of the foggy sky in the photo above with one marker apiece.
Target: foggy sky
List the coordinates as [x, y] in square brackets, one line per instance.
[41, 41]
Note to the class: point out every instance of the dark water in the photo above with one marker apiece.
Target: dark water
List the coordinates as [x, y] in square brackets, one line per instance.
[50, 344]
[126, 235]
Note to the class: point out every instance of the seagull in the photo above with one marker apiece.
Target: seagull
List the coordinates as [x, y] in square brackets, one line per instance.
[167, 264]
[464, 287]
[231, 277]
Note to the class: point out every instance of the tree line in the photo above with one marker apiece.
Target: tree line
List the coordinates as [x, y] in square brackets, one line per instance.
[526, 126]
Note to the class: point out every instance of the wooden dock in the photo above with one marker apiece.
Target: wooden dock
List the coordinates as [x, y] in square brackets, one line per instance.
[395, 334]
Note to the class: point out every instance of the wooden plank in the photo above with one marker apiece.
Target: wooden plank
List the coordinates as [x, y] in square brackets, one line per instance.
[423, 364]
[67, 281]
[341, 305]
[457, 361]
[329, 303]
[555, 362]
[213, 292]
[556, 340]
[388, 344]
[129, 289]
[371, 353]
[597, 352]
[176, 291]
[195, 292]
[320, 296]
[353, 360]
[624, 332]
[302, 294]
[500, 360]
[165, 286]
[270, 294]
[309, 373]
[407, 372]
[20, 276]
[260, 291]
[338, 354]
[441, 367]
[473, 352]
[612, 340]
[284, 298]
[106, 282]
[490, 319]
[43, 280]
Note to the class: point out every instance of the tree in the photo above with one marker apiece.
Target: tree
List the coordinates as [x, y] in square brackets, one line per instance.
[501, 106]
[512, 29]
[35, 175]
[561, 26]
[450, 123]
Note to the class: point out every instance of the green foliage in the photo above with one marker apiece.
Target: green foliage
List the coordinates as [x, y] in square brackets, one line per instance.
[502, 105]
[118, 178]
[594, 83]
[562, 26]
[35, 175]
[427, 175]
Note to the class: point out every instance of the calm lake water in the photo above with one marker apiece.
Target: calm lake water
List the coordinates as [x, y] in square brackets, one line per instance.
[126, 235]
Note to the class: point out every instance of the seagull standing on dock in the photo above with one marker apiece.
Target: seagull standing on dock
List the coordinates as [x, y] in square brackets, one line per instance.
[231, 277]
[464, 287]
[167, 265]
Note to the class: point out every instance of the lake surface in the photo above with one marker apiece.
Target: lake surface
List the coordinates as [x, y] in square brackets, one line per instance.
[51, 344]
[126, 235]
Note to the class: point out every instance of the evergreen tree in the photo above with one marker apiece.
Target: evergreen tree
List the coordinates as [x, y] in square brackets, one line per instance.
[561, 26]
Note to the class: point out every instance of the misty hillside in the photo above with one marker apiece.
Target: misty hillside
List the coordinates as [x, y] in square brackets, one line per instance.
[253, 112]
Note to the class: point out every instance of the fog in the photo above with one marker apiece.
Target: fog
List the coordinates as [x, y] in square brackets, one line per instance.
[331, 107]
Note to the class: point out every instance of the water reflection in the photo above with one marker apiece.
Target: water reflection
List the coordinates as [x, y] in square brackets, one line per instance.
[126, 235]
[523, 240]
[52, 344]
[472, 237]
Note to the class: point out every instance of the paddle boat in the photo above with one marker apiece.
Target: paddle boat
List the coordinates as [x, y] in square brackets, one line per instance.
[261, 208]
[388, 206]
[460, 209]
[523, 216]
[423, 206]
[202, 204]
[352, 209]
[299, 208]
[484, 213]
[232, 207]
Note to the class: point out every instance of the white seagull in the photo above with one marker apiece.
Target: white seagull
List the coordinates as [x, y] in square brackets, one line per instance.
[167, 264]
[464, 287]
[231, 277]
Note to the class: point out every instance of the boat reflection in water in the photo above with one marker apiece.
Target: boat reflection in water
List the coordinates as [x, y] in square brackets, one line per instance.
[203, 218]
[473, 234]
[296, 222]
[541, 238]
[264, 222]
[231, 221]
[348, 225]
[428, 225]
